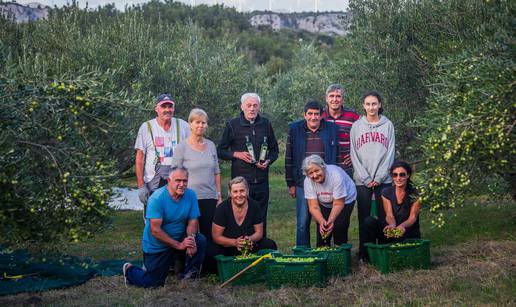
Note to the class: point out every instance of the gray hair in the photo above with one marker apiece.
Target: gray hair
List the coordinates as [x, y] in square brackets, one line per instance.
[237, 180]
[335, 87]
[315, 160]
[196, 112]
[177, 168]
[248, 96]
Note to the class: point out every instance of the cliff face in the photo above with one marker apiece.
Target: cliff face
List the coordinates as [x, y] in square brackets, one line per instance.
[322, 23]
[24, 13]
[333, 23]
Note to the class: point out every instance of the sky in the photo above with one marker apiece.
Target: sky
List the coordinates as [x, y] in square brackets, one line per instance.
[240, 5]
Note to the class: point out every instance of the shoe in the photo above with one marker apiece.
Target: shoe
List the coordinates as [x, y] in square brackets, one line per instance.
[125, 267]
[192, 274]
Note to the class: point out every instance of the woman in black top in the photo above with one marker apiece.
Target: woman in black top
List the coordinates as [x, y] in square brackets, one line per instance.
[401, 205]
[236, 219]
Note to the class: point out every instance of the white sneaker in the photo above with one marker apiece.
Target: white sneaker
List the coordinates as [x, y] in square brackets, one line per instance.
[125, 267]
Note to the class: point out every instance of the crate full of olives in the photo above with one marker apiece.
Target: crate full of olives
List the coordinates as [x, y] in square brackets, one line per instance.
[339, 257]
[228, 266]
[408, 254]
[296, 271]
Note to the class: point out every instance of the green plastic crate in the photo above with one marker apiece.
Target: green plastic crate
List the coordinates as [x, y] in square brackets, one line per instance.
[228, 266]
[296, 274]
[388, 258]
[339, 259]
[300, 250]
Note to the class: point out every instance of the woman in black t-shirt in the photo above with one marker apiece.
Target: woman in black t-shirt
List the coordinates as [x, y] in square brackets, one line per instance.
[237, 219]
[401, 205]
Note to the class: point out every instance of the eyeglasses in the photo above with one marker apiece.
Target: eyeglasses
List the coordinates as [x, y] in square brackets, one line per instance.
[401, 175]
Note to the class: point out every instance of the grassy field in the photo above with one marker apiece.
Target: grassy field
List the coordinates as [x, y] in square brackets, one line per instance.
[473, 263]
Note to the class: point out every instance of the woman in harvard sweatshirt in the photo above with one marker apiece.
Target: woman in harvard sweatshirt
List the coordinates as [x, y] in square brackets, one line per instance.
[372, 153]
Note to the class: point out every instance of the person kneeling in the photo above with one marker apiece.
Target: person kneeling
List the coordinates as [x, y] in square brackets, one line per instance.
[330, 194]
[238, 220]
[170, 233]
[402, 206]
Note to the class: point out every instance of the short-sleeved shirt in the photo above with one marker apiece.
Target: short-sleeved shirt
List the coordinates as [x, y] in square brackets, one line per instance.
[224, 217]
[202, 167]
[337, 184]
[174, 215]
[164, 143]
[401, 211]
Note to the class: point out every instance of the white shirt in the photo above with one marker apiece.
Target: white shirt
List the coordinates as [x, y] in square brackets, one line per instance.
[164, 144]
[337, 184]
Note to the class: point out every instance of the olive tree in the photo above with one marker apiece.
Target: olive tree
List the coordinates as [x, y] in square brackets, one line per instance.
[469, 128]
[56, 139]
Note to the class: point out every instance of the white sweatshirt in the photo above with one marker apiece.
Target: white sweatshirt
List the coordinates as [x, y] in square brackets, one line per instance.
[372, 150]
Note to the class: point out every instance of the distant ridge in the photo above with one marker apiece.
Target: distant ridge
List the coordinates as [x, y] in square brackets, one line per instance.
[327, 23]
[24, 13]
[331, 23]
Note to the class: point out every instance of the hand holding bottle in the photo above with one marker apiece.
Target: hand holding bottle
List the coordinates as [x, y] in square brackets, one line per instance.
[244, 156]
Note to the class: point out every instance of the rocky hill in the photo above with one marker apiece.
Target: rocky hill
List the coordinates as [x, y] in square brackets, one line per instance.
[331, 23]
[24, 13]
[322, 23]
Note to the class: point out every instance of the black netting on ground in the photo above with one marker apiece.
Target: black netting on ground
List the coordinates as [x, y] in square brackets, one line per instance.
[21, 272]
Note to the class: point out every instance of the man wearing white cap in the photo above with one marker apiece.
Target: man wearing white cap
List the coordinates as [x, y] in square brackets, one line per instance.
[155, 144]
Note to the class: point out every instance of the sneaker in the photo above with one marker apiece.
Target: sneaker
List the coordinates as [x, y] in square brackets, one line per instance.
[192, 274]
[125, 267]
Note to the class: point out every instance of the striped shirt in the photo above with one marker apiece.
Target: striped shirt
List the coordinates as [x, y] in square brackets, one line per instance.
[314, 146]
[344, 122]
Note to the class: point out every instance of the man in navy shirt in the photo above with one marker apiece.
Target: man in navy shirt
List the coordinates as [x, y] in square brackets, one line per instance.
[171, 232]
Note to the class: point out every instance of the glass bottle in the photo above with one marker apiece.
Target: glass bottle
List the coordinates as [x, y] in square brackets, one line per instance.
[263, 150]
[250, 148]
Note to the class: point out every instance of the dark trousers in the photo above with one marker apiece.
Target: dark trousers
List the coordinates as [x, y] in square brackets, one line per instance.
[364, 195]
[157, 265]
[373, 233]
[207, 208]
[340, 226]
[210, 264]
[260, 193]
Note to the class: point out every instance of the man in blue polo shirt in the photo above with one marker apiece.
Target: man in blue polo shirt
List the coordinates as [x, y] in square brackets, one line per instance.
[171, 232]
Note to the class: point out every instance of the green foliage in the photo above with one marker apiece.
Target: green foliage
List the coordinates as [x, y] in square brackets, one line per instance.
[394, 47]
[446, 70]
[310, 74]
[73, 138]
[214, 19]
[469, 136]
[56, 144]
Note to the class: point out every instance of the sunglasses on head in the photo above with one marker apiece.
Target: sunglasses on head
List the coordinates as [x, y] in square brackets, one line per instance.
[401, 175]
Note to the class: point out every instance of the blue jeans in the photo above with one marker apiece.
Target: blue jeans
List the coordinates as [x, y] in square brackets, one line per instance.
[157, 265]
[303, 218]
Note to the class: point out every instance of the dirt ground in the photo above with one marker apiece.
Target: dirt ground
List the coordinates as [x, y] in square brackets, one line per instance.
[477, 273]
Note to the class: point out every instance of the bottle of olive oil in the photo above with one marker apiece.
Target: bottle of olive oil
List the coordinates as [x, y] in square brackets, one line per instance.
[263, 150]
[250, 148]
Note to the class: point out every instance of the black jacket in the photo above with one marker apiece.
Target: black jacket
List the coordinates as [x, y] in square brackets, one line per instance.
[233, 139]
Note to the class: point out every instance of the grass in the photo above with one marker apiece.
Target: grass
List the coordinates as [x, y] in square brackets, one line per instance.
[473, 263]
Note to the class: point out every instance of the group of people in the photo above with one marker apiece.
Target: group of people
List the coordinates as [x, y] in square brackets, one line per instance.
[334, 158]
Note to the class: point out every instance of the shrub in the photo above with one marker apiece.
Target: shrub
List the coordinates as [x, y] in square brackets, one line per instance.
[58, 142]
